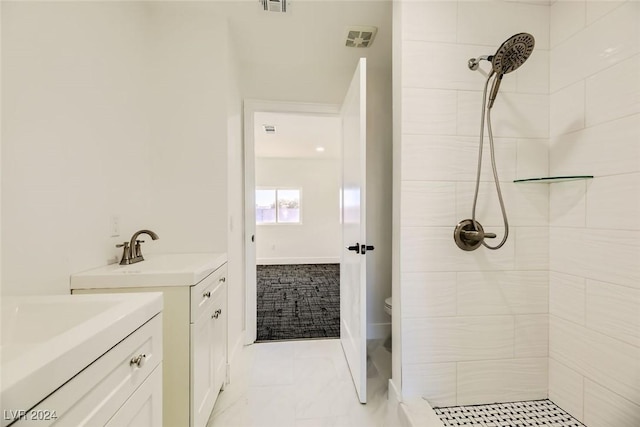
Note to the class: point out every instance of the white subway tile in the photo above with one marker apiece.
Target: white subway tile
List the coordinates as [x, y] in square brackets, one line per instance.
[450, 339]
[502, 381]
[429, 111]
[434, 249]
[493, 22]
[567, 18]
[444, 66]
[532, 248]
[614, 202]
[604, 408]
[502, 292]
[438, 158]
[606, 255]
[436, 382]
[608, 361]
[599, 8]
[533, 77]
[614, 311]
[533, 158]
[531, 335]
[428, 294]
[606, 149]
[488, 212]
[428, 203]
[614, 92]
[529, 205]
[514, 115]
[606, 42]
[567, 205]
[567, 297]
[526, 205]
[567, 109]
[566, 388]
[429, 21]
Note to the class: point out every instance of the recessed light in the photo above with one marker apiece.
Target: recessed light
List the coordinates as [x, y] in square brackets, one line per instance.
[320, 149]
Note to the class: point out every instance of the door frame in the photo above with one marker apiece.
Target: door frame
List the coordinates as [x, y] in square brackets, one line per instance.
[250, 107]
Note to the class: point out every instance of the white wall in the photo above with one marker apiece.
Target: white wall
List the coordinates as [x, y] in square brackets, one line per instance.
[100, 119]
[474, 324]
[318, 238]
[594, 339]
[379, 200]
[75, 138]
[189, 149]
[236, 293]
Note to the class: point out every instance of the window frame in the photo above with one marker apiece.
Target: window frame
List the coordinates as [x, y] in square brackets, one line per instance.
[277, 221]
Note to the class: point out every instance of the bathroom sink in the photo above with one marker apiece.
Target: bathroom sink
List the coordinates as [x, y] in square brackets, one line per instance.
[155, 270]
[46, 340]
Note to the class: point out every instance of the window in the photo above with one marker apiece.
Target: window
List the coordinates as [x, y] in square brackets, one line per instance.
[278, 206]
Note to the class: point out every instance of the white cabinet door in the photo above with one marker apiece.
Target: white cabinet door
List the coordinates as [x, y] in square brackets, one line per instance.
[202, 374]
[208, 356]
[218, 340]
[144, 407]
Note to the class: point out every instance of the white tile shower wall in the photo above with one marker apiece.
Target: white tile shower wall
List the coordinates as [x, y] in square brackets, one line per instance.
[475, 324]
[594, 295]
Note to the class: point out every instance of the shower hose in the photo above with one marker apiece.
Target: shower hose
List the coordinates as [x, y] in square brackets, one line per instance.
[487, 112]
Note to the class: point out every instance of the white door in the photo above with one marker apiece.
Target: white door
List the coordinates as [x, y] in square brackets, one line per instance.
[353, 267]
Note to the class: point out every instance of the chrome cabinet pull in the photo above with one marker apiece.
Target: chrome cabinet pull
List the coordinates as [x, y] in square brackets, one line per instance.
[138, 360]
[216, 314]
[206, 294]
[223, 279]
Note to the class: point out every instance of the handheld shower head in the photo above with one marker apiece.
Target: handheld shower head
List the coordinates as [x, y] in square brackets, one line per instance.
[510, 56]
[513, 53]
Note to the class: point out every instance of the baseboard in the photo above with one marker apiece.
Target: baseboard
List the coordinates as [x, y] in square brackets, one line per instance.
[397, 415]
[378, 331]
[301, 260]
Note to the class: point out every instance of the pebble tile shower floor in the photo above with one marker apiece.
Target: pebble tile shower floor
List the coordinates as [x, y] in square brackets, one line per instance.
[298, 301]
[513, 414]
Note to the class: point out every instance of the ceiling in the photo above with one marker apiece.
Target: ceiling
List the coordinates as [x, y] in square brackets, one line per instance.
[297, 136]
[301, 55]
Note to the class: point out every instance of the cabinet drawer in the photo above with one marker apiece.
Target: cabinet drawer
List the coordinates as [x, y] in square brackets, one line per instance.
[202, 293]
[95, 393]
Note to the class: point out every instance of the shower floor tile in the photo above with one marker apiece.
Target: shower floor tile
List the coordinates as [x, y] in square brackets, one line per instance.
[513, 414]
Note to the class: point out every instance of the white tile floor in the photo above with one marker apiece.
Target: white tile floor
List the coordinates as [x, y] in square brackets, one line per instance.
[301, 384]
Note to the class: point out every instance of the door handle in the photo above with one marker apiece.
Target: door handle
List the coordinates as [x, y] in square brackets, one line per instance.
[365, 248]
[355, 248]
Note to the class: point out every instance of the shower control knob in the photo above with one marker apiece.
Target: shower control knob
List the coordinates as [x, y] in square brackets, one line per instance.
[469, 235]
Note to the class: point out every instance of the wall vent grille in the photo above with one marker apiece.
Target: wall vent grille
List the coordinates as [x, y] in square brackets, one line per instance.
[274, 5]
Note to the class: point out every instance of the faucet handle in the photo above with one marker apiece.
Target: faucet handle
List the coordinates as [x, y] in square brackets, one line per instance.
[137, 250]
[126, 255]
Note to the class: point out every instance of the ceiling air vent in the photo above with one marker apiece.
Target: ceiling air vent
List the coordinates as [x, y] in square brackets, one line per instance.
[360, 36]
[274, 5]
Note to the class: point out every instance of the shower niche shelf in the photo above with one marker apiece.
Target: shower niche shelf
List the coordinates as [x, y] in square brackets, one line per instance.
[552, 179]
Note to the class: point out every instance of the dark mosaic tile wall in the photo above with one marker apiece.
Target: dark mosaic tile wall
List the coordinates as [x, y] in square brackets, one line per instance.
[298, 301]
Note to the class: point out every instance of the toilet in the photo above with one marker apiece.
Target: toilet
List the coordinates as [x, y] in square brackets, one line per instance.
[387, 309]
[387, 305]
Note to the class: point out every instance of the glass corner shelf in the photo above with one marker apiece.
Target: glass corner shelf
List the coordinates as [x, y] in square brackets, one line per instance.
[551, 179]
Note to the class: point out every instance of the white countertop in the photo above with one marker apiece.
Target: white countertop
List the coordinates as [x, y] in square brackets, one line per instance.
[46, 340]
[155, 270]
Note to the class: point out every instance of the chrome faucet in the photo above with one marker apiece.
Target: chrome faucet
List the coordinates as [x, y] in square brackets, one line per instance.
[132, 252]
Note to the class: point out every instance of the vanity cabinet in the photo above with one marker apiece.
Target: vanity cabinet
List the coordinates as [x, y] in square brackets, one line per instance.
[208, 336]
[194, 367]
[123, 387]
